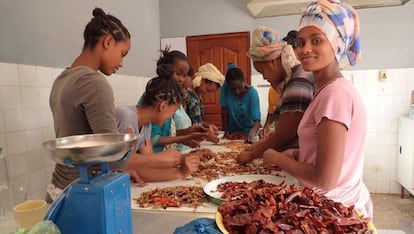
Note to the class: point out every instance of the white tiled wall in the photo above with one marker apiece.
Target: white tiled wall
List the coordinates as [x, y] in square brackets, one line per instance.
[26, 122]
[385, 101]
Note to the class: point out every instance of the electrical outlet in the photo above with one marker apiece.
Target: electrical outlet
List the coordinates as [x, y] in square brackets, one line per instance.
[383, 75]
[384, 89]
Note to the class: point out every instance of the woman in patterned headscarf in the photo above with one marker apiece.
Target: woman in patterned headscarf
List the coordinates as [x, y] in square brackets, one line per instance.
[333, 128]
[277, 63]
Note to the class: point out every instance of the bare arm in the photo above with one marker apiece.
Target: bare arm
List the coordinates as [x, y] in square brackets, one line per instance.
[253, 131]
[156, 174]
[188, 164]
[192, 140]
[269, 120]
[285, 133]
[165, 159]
[167, 140]
[211, 127]
[266, 128]
[147, 149]
[330, 155]
[147, 166]
[158, 163]
[191, 129]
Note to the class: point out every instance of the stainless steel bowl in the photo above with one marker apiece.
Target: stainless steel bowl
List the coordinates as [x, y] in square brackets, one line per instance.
[90, 148]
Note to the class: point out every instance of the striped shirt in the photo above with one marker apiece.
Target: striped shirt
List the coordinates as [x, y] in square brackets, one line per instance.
[297, 93]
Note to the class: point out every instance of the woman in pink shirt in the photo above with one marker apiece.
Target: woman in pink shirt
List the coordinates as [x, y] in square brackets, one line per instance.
[333, 128]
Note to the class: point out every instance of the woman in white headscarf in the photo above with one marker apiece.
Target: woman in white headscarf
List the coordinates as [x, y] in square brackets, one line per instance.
[206, 80]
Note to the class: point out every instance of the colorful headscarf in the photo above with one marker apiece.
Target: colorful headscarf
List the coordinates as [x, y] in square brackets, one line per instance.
[267, 46]
[340, 24]
[210, 72]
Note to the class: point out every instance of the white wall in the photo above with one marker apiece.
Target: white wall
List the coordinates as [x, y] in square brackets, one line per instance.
[26, 121]
[385, 31]
[385, 101]
[49, 33]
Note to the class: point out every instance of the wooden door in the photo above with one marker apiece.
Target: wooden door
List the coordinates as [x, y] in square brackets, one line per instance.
[218, 49]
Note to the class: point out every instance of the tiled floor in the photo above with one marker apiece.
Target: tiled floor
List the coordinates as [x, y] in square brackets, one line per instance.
[394, 212]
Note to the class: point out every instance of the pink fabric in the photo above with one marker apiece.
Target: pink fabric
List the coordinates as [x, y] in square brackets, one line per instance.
[339, 101]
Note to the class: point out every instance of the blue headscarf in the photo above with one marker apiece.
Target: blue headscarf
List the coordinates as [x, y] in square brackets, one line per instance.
[340, 24]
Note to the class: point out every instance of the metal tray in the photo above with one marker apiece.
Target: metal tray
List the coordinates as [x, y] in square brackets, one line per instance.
[90, 148]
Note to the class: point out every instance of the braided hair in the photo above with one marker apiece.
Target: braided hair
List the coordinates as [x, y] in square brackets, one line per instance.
[102, 24]
[163, 88]
[170, 57]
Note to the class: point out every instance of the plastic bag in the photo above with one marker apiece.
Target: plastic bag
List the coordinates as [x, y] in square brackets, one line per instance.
[42, 227]
[199, 226]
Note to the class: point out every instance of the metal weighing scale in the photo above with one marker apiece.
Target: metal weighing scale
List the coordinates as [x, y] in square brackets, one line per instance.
[93, 204]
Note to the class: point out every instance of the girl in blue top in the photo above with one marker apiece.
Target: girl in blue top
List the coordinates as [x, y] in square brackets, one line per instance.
[240, 110]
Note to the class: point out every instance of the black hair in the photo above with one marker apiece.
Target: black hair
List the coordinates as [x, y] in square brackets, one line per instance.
[233, 73]
[291, 38]
[170, 57]
[190, 71]
[102, 24]
[212, 82]
[163, 88]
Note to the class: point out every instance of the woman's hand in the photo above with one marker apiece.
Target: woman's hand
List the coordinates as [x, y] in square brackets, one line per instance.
[196, 128]
[193, 140]
[270, 158]
[212, 138]
[204, 154]
[189, 165]
[253, 146]
[213, 129]
[265, 132]
[292, 153]
[251, 137]
[172, 158]
[250, 153]
[135, 177]
[244, 157]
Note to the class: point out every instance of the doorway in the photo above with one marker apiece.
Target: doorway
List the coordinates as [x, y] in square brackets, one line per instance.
[218, 49]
